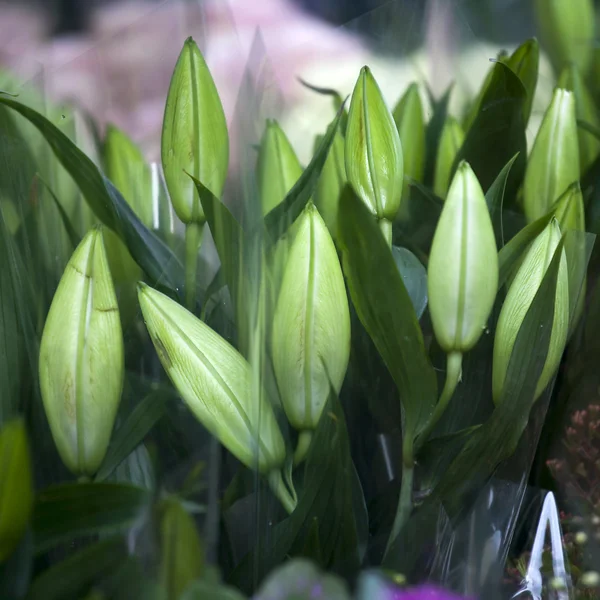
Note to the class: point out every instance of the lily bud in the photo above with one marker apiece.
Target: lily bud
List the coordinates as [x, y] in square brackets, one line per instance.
[554, 160]
[194, 135]
[127, 169]
[81, 358]
[311, 327]
[330, 185]
[518, 300]
[373, 151]
[463, 265]
[278, 167]
[408, 116]
[451, 140]
[567, 31]
[585, 110]
[16, 486]
[214, 380]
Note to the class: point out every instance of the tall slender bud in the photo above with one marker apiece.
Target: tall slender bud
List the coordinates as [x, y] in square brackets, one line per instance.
[451, 140]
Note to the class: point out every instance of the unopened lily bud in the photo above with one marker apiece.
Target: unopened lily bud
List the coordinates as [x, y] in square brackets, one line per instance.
[408, 116]
[451, 140]
[463, 265]
[520, 295]
[16, 486]
[330, 185]
[194, 135]
[373, 151]
[278, 167]
[567, 31]
[215, 381]
[585, 110]
[554, 160]
[81, 358]
[311, 328]
[127, 169]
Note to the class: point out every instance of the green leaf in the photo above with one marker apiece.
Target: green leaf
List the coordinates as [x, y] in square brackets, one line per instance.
[206, 588]
[92, 508]
[71, 233]
[524, 62]
[385, 309]
[414, 277]
[511, 252]
[498, 132]
[495, 199]
[16, 571]
[279, 219]
[73, 577]
[433, 132]
[133, 431]
[151, 254]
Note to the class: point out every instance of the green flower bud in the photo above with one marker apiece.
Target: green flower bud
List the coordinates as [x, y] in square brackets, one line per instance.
[278, 167]
[451, 140]
[567, 31]
[585, 110]
[194, 135]
[127, 169]
[16, 489]
[554, 160]
[311, 327]
[518, 300]
[330, 184]
[463, 265]
[408, 116]
[81, 358]
[373, 151]
[214, 380]
[569, 209]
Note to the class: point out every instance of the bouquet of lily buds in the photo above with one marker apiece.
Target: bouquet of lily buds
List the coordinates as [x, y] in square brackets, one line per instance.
[349, 401]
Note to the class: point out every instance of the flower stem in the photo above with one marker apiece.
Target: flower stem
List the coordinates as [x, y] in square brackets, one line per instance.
[304, 440]
[280, 490]
[386, 229]
[193, 239]
[453, 373]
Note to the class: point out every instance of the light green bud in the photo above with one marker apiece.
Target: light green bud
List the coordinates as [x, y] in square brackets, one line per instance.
[278, 167]
[463, 265]
[373, 151]
[518, 300]
[81, 358]
[451, 140]
[311, 327]
[127, 169]
[194, 135]
[567, 31]
[16, 486]
[408, 116]
[585, 110]
[330, 184]
[554, 160]
[214, 380]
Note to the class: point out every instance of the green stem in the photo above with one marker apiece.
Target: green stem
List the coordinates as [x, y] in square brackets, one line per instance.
[386, 229]
[453, 373]
[406, 494]
[193, 239]
[281, 491]
[304, 440]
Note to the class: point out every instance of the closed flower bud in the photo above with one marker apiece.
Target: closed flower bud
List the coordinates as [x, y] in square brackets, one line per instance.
[81, 358]
[330, 185]
[463, 265]
[567, 31]
[16, 486]
[451, 139]
[585, 110]
[518, 300]
[373, 152]
[194, 135]
[311, 328]
[554, 160]
[278, 167]
[215, 381]
[408, 116]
